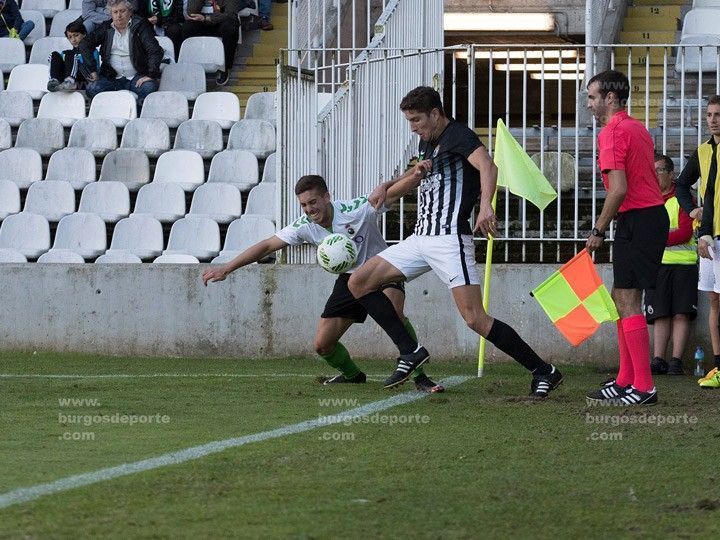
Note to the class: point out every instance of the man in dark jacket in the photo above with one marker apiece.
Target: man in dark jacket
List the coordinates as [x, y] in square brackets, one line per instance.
[215, 18]
[11, 22]
[130, 55]
[166, 17]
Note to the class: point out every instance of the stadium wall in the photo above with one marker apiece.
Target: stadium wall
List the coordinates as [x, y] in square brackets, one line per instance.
[262, 310]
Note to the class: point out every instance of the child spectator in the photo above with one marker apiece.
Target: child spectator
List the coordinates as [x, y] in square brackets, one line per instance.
[11, 22]
[69, 66]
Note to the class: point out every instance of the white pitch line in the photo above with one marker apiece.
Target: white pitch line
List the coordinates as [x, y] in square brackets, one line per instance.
[22, 495]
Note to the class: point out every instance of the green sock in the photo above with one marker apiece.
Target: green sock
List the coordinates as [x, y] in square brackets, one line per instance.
[340, 359]
[409, 327]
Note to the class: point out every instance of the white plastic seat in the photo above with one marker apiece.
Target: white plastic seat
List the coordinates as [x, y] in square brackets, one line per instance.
[270, 168]
[74, 165]
[169, 49]
[61, 20]
[196, 236]
[8, 255]
[202, 136]
[30, 78]
[704, 21]
[61, 256]
[27, 233]
[693, 60]
[705, 3]
[44, 47]
[40, 31]
[176, 258]
[243, 233]
[85, 234]
[97, 135]
[151, 135]
[9, 198]
[20, 165]
[15, 107]
[126, 165]
[66, 107]
[49, 8]
[75, 4]
[256, 136]
[162, 201]
[182, 167]
[12, 53]
[52, 199]
[223, 107]
[206, 51]
[117, 257]
[170, 107]
[109, 200]
[139, 235]
[261, 201]
[188, 79]
[237, 167]
[261, 106]
[119, 107]
[45, 135]
[5, 134]
[2, 80]
[219, 202]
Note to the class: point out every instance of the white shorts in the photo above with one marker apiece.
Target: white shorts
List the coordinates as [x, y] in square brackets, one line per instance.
[450, 256]
[710, 270]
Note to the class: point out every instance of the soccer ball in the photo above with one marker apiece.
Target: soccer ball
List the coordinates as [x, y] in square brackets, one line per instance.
[337, 253]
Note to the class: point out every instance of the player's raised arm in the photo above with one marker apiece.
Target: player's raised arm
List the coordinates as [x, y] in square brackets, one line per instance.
[254, 253]
[486, 221]
[406, 182]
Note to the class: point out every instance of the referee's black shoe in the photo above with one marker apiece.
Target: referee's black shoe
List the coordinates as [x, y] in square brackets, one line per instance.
[405, 367]
[609, 391]
[658, 366]
[360, 378]
[541, 385]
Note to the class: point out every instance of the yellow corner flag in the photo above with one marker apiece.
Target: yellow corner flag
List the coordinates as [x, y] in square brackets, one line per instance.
[518, 172]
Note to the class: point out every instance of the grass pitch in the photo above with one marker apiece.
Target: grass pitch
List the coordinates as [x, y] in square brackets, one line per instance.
[478, 461]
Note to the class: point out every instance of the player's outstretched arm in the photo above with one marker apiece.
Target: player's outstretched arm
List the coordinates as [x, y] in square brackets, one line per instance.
[406, 182]
[486, 222]
[252, 254]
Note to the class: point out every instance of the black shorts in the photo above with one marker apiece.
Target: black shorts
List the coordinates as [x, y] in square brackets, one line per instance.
[343, 304]
[638, 247]
[674, 293]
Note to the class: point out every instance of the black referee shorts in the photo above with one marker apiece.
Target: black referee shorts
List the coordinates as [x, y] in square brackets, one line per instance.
[675, 292]
[638, 247]
[342, 303]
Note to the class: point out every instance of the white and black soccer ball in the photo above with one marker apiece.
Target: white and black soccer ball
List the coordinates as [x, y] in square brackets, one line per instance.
[337, 253]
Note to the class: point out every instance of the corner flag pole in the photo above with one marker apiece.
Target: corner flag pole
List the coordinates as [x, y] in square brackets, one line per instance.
[486, 291]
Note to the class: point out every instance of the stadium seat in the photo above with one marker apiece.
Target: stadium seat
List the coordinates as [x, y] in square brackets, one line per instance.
[52, 199]
[39, 31]
[61, 256]
[182, 167]
[170, 107]
[9, 198]
[256, 136]
[5, 134]
[270, 168]
[217, 201]
[12, 53]
[98, 135]
[27, 233]
[2, 80]
[223, 107]
[243, 233]
[261, 106]
[162, 201]
[126, 165]
[206, 51]
[46, 135]
[202, 136]
[151, 135]
[140, 235]
[67, 107]
[30, 78]
[85, 234]
[119, 107]
[117, 257]
[196, 236]
[20, 165]
[169, 48]
[61, 20]
[75, 4]
[176, 258]
[693, 60]
[237, 167]
[188, 79]
[704, 21]
[43, 47]
[49, 8]
[15, 107]
[109, 200]
[74, 165]
[8, 255]
[261, 201]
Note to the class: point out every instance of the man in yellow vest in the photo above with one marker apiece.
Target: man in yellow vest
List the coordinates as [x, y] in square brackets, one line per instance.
[673, 303]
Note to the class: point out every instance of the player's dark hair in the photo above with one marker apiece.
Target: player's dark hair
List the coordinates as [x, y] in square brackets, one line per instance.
[714, 100]
[311, 181]
[613, 81]
[667, 162]
[76, 27]
[422, 99]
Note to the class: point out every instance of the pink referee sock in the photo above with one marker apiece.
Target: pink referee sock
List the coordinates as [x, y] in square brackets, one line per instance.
[637, 339]
[625, 374]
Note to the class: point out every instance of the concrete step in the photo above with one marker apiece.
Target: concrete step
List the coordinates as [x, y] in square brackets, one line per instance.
[640, 54]
[651, 36]
[659, 3]
[645, 24]
[654, 12]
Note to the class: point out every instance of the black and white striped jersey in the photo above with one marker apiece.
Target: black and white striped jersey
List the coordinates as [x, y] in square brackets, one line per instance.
[451, 189]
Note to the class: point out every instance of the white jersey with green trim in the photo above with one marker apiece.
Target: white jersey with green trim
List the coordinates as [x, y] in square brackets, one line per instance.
[356, 218]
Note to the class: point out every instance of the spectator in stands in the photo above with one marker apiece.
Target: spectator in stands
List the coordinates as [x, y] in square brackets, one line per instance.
[94, 13]
[69, 66]
[215, 18]
[166, 18]
[129, 52]
[11, 22]
[264, 9]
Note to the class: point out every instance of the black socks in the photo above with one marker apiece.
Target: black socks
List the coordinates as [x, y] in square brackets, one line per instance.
[380, 308]
[508, 341]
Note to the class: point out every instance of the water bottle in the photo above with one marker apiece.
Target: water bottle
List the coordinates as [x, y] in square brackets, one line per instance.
[699, 358]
